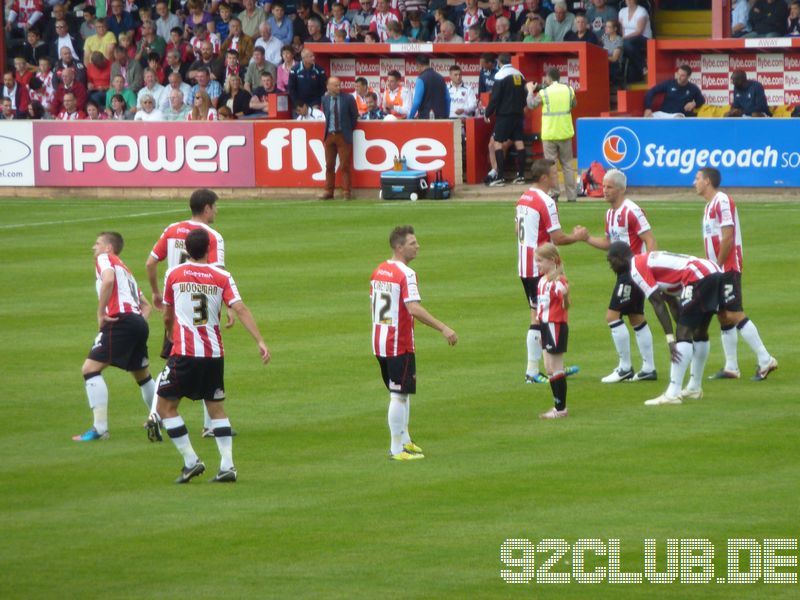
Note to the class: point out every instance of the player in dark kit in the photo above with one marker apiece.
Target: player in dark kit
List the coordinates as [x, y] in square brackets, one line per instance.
[508, 101]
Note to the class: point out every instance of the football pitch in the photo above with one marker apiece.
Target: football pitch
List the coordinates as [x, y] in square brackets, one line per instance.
[319, 511]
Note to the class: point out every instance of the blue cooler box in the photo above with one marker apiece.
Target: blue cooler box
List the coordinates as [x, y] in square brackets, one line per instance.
[399, 185]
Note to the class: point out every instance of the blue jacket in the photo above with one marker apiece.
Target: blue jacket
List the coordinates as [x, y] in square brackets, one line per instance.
[752, 99]
[284, 31]
[430, 94]
[675, 96]
[306, 84]
[348, 115]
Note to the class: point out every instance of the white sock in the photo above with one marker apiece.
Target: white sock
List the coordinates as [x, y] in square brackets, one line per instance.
[406, 434]
[97, 392]
[678, 370]
[154, 399]
[644, 339]
[397, 417]
[730, 339]
[493, 173]
[534, 343]
[222, 435]
[176, 429]
[622, 342]
[206, 417]
[148, 389]
[750, 334]
[699, 357]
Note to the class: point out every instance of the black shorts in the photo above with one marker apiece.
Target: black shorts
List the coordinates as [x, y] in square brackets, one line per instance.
[166, 346]
[555, 337]
[730, 298]
[195, 378]
[627, 297]
[508, 128]
[531, 287]
[699, 301]
[123, 343]
[399, 373]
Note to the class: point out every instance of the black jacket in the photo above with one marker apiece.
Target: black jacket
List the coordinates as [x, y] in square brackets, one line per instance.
[509, 97]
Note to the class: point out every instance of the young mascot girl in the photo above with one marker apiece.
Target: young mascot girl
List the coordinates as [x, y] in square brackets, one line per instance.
[553, 302]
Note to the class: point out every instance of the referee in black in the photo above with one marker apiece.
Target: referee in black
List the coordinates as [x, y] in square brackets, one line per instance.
[508, 101]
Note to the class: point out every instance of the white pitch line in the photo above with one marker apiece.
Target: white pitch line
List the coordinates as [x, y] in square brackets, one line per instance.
[87, 219]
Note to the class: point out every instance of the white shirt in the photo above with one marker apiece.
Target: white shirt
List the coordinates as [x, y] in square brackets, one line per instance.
[629, 21]
[66, 42]
[153, 115]
[12, 94]
[314, 114]
[164, 103]
[272, 49]
[462, 97]
[157, 93]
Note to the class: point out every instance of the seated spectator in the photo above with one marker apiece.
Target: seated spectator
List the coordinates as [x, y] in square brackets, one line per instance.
[280, 24]
[94, 113]
[8, 113]
[374, 112]
[98, 78]
[177, 44]
[258, 101]
[16, 92]
[173, 64]
[209, 87]
[232, 66]
[269, 43]
[222, 21]
[148, 110]
[681, 96]
[118, 89]
[463, 100]
[202, 108]
[208, 61]
[167, 21]
[151, 87]
[740, 18]
[470, 16]
[19, 21]
[535, 7]
[62, 30]
[69, 85]
[46, 92]
[282, 78]
[600, 13]
[36, 110]
[381, 18]
[67, 61]
[749, 98]
[22, 73]
[612, 44]
[196, 18]
[235, 97]
[315, 32]
[559, 22]
[117, 109]
[337, 22]
[125, 40]
[145, 17]
[395, 33]
[200, 37]
[340, 37]
[178, 109]
[793, 22]
[225, 114]
[582, 33]
[174, 82]
[89, 26]
[251, 17]
[360, 94]
[131, 70]
[242, 43]
[473, 35]
[150, 43]
[120, 21]
[447, 34]
[34, 47]
[503, 31]
[69, 109]
[308, 113]
[37, 93]
[496, 11]
[370, 37]
[636, 30]
[102, 41]
[415, 28]
[155, 63]
[534, 29]
[768, 18]
[258, 66]
[363, 19]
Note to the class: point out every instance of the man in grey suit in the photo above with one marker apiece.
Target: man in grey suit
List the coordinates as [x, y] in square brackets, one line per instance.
[131, 70]
[341, 116]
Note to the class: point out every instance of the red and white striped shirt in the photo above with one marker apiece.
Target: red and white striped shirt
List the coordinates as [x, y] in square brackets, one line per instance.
[537, 218]
[27, 12]
[333, 27]
[77, 115]
[721, 212]
[626, 224]
[379, 22]
[197, 292]
[551, 300]
[172, 244]
[125, 294]
[393, 284]
[669, 272]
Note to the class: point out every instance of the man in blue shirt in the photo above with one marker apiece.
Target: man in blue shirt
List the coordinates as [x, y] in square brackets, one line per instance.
[749, 98]
[681, 97]
[307, 81]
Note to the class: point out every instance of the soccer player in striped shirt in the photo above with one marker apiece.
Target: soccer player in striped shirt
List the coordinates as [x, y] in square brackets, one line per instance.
[171, 247]
[194, 293]
[122, 339]
[626, 222]
[722, 238]
[396, 303]
[537, 222]
[691, 288]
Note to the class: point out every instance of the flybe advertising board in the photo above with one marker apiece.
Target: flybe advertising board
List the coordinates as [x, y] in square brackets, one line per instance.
[668, 152]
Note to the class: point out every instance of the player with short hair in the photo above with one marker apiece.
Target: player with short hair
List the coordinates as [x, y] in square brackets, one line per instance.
[171, 247]
[396, 304]
[194, 293]
[122, 339]
[626, 222]
[690, 287]
[536, 223]
[722, 238]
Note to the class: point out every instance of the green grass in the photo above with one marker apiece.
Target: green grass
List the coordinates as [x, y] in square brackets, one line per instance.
[319, 512]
